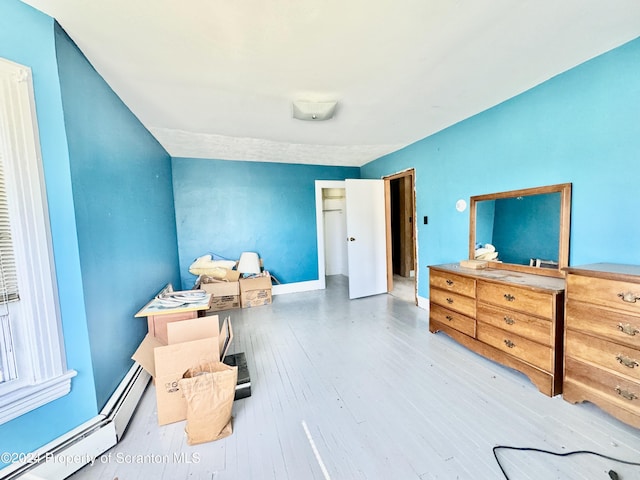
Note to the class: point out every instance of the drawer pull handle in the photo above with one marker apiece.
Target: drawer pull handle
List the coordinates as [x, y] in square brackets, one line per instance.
[449, 317]
[628, 329]
[626, 394]
[626, 361]
[509, 343]
[509, 298]
[449, 301]
[629, 297]
[509, 320]
[449, 282]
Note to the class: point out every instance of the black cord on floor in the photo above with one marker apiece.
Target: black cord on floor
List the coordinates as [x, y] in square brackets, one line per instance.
[612, 474]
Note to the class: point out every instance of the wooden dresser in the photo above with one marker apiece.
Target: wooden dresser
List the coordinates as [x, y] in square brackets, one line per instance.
[513, 318]
[602, 338]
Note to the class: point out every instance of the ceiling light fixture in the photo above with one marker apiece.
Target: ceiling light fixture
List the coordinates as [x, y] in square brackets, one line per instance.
[315, 111]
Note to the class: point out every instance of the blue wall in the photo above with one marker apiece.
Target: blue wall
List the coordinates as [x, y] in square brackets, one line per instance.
[109, 189]
[225, 208]
[125, 217]
[580, 127]
[26, 37]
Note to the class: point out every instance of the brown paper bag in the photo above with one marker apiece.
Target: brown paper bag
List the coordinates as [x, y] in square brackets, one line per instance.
[209, 390]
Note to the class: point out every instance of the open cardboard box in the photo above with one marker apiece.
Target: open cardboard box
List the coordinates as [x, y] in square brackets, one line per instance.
[190, 343]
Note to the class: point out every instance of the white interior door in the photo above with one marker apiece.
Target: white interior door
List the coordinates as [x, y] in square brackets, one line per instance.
[366, 237]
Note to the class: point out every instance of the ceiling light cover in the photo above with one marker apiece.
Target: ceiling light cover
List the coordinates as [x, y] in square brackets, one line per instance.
[315, 111]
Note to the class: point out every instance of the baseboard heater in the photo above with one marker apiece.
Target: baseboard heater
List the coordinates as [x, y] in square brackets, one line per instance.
[87, 441]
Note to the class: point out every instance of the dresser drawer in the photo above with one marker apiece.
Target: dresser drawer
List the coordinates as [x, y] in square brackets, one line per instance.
[460, 322]
[533, 328]
[619, 390]
[616, 294]
[453, 283]
[534, 353]
[454, 301]
[608, 355]
[516, 298]
[615, 326]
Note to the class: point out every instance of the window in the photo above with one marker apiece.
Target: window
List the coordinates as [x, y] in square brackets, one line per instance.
[8, 286]
[32, 362]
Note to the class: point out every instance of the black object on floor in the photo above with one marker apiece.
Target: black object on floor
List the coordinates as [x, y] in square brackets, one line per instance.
[243, 387]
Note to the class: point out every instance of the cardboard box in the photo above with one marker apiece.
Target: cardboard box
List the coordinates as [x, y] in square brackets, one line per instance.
[255, 291]
[157, 324]
[191, 342]
[225, 295]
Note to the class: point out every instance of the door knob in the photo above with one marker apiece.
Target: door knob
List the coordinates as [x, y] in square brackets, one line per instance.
[351, 239]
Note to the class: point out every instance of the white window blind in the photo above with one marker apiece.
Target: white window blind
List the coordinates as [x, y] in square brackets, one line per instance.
[8, 285]
[8, 276]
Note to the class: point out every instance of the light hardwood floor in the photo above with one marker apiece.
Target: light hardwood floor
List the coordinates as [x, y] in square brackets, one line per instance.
[361, 390]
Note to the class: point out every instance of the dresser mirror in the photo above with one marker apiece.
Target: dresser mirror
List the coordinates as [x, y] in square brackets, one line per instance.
[523, 230]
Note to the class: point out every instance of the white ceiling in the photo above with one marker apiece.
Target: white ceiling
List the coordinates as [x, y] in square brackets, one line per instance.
[216, 78]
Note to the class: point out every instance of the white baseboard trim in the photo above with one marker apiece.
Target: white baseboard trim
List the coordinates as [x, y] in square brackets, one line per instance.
[423, 302]
[297, 287]
[86, 443]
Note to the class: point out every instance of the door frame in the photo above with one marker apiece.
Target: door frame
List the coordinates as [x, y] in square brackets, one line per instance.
[320, 185]
[409, 172]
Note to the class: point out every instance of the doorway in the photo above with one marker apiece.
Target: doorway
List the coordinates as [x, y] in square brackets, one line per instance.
[335, 231]
[401, 244]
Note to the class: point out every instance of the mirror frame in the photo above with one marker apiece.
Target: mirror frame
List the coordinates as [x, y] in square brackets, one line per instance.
[565, 226]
